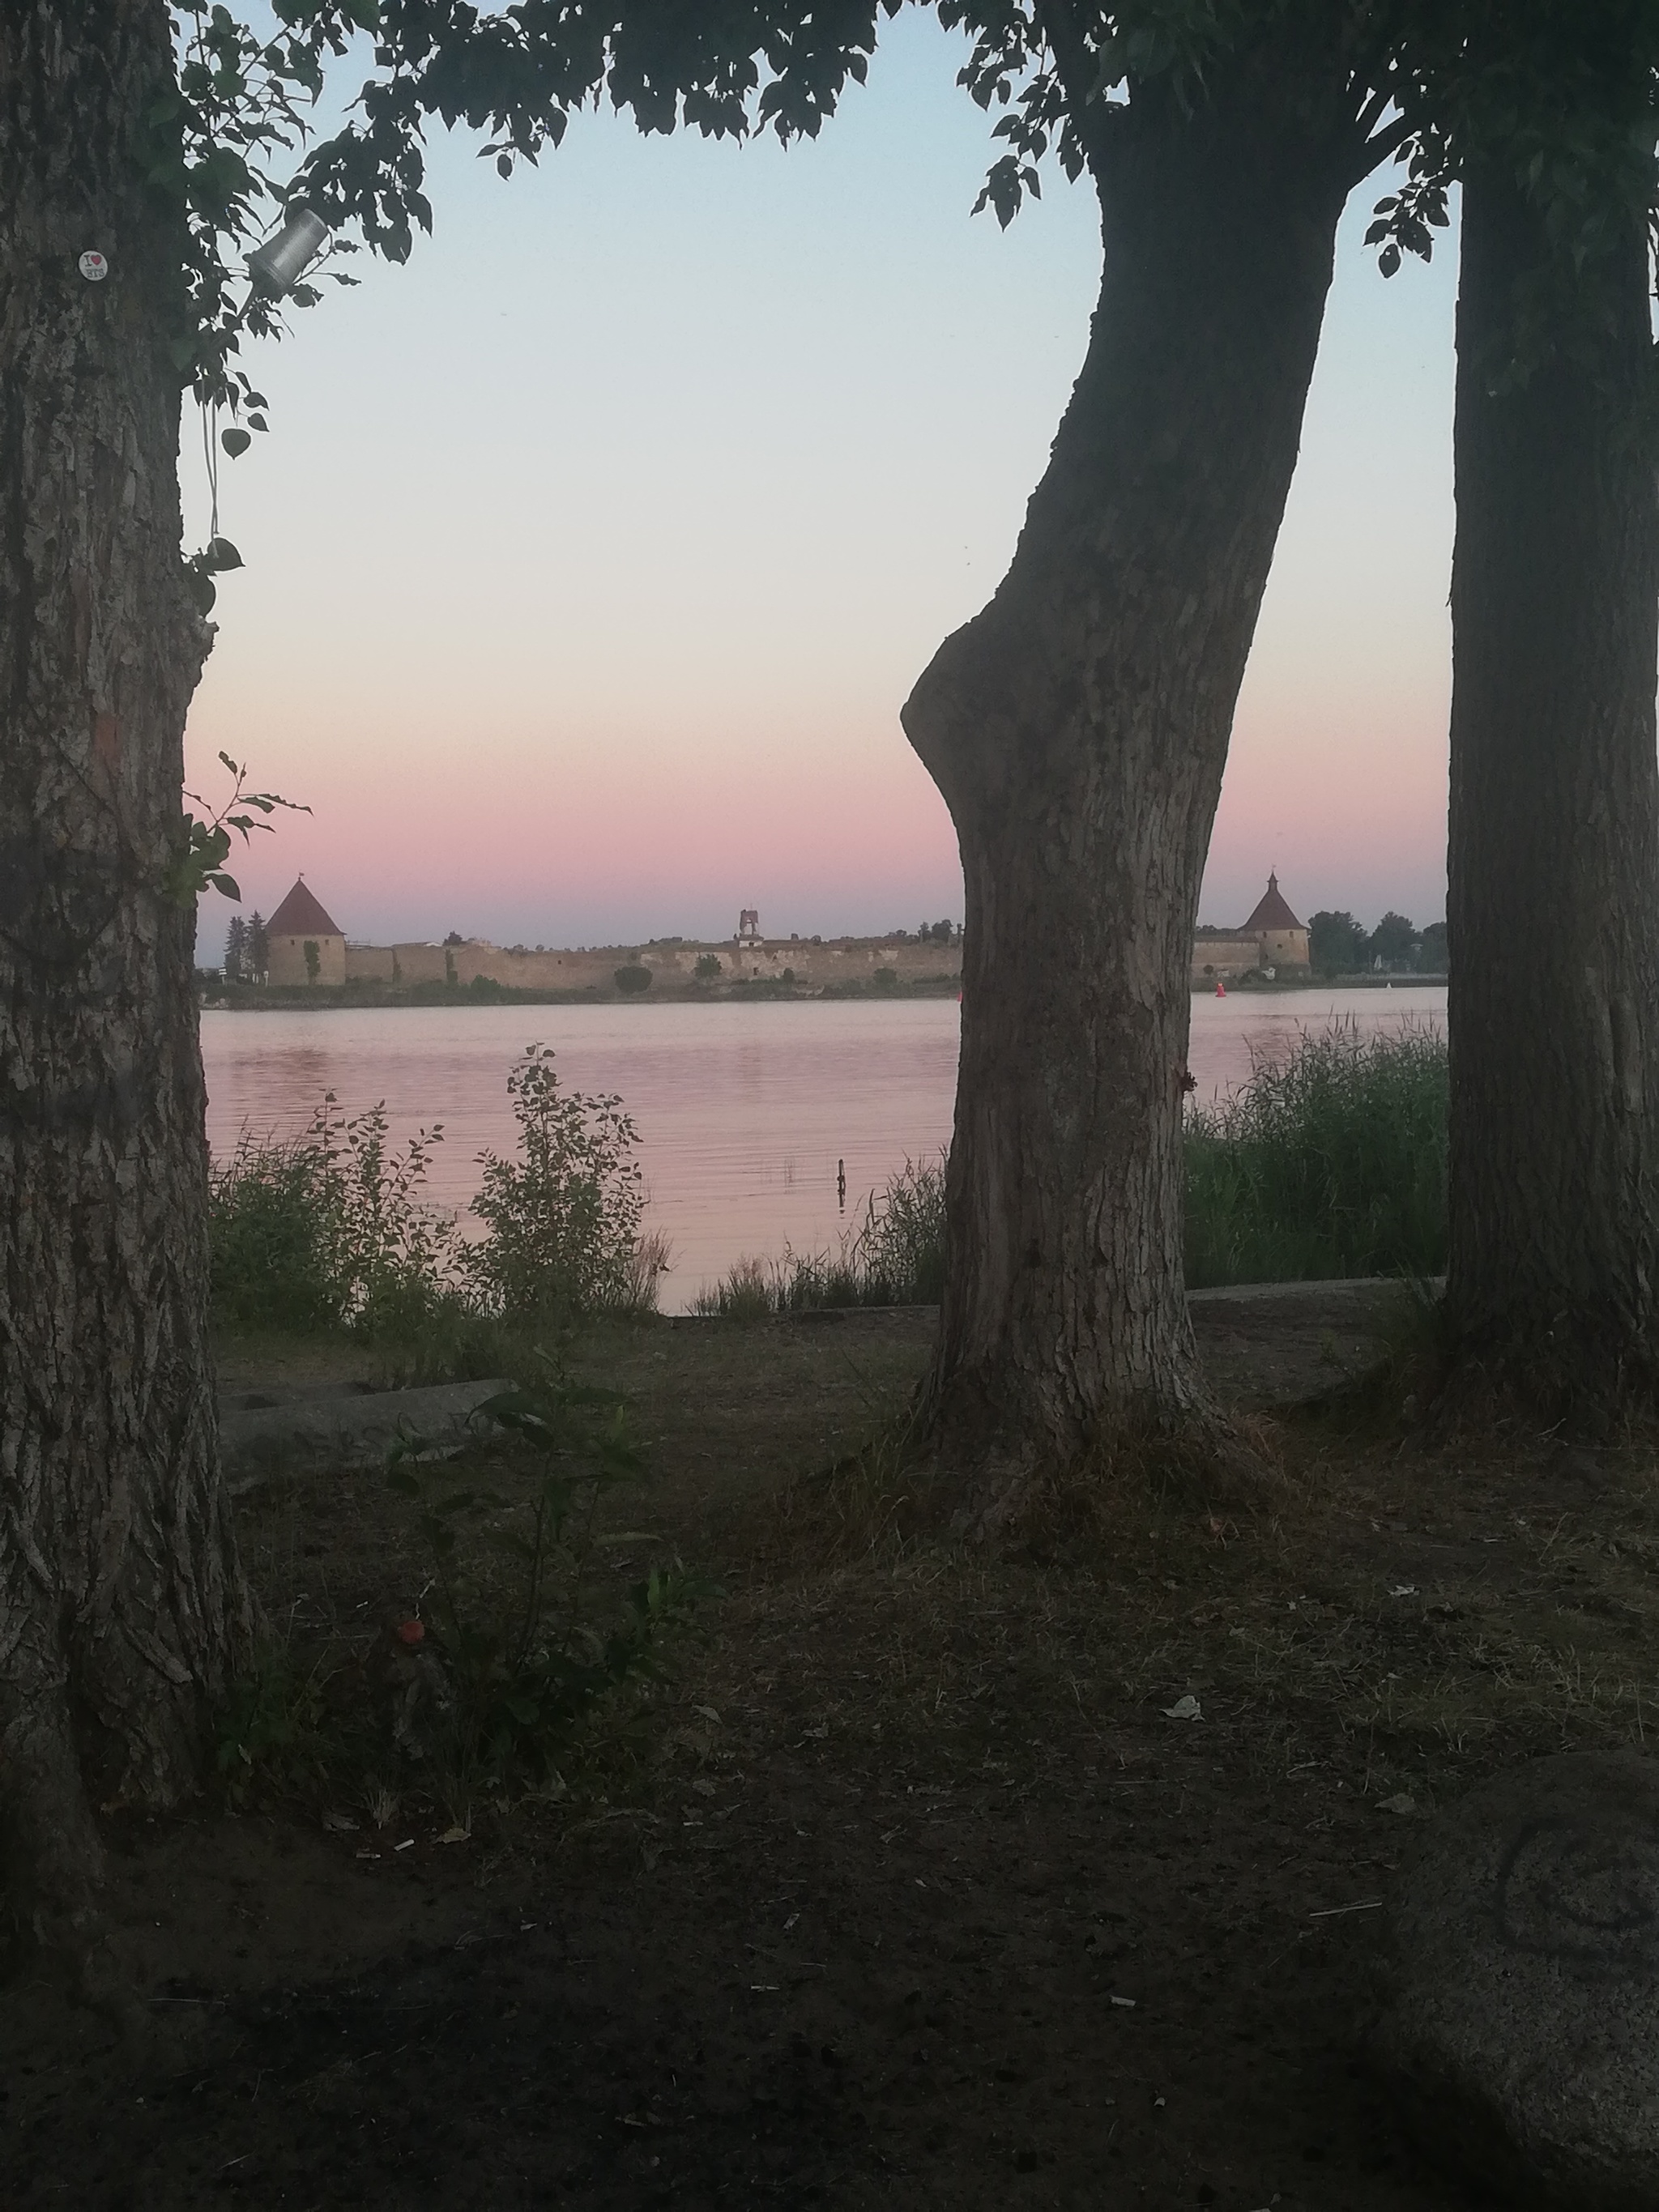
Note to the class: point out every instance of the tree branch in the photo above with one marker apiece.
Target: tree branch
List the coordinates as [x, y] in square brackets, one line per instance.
[1074, 65]
[1373, 151]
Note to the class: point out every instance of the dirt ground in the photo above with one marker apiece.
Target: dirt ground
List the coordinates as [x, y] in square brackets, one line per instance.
[912, 1888]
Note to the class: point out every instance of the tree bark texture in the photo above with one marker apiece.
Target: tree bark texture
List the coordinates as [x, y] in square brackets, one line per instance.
[120, 1596]
[1078, 728]
[1554, 1000]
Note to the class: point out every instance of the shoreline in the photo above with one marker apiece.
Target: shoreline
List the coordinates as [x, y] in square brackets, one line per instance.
[331, 998]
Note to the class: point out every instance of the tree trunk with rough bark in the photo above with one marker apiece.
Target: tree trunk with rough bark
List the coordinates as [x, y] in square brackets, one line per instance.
[1553, 1009]
[121, 1601]
[1078, 728]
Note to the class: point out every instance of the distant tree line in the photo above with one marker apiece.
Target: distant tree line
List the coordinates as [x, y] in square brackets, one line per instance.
[1338, 946]
[248, 953]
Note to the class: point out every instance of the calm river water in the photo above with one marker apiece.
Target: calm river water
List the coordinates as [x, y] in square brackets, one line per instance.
[743, 1111]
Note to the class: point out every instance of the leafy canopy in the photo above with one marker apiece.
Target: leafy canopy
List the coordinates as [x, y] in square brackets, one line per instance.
[1562, 93]
[236, 143]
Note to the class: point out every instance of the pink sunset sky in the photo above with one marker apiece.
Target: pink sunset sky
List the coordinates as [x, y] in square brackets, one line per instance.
[592, 555]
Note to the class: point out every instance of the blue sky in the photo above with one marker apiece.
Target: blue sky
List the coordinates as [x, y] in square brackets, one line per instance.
[592, 555]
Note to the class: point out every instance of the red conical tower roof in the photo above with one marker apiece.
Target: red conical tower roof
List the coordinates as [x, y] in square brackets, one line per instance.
[301, 913]
[1272, 913]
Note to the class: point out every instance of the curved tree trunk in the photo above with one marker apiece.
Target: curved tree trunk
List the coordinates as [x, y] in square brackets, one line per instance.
[1078, 728]
[1553, 1009]
[120, 1596]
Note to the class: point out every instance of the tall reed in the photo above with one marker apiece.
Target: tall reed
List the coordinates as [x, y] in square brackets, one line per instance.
[895, 1257]
[1330, 1161]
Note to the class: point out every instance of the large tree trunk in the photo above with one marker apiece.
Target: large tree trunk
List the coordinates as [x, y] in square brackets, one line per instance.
[120, 1597]
[1554, 935]
[1078, 728]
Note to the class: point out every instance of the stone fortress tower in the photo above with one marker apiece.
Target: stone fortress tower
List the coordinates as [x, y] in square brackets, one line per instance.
[1272, 940]
[302, 920]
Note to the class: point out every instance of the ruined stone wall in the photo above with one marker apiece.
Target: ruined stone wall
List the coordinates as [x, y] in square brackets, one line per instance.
[672, 966]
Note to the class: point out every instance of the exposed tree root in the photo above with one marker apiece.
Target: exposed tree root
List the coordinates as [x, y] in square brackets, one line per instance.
[1584, 1394]
[1571, 1382]
[1048, 1496]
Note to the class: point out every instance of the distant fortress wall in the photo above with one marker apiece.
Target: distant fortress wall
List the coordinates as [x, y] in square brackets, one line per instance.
[812, 966]
[1220, 959]
[1216, 959]
[1272, 938]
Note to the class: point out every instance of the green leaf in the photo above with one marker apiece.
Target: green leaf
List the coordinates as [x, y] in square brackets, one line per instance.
[234, 441]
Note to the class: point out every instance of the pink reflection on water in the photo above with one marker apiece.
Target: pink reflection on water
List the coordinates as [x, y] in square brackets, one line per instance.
[743, 1111]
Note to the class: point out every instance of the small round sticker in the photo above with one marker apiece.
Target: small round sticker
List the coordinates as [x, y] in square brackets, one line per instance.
[93, 267]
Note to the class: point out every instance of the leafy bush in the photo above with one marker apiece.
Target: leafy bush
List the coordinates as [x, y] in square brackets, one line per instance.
[521, 1641]
[275, 1734]
[885, 979]
[633, 979]
[707, 967]
[562, 1220]
[518, 1663]
[1331, 1162]
[328, 1230]
[271, 1264]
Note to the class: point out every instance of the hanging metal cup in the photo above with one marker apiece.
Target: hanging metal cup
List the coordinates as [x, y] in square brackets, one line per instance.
[278, 264]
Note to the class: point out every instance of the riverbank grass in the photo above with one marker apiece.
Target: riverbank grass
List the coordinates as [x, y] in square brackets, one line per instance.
[1328, 1163]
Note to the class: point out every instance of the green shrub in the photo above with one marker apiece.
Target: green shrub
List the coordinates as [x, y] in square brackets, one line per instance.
[885, 979]
[272, 1265]
[562, 1220]
[633, 979]
[522, 1655]
[515, 1642]
[328, 1230]
[1331, 1162]
[275, 1733]
[707, 967]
